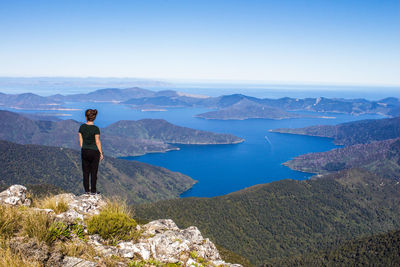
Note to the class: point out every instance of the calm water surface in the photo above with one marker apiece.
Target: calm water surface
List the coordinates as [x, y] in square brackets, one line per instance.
[222, 169]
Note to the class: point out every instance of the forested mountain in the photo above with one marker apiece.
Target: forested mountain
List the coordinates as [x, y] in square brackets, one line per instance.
[380, 157]
[28, 101]
[123, 138]
[286, 218]
[350, 133]
[61, 167]
[376, 250]
[246, 109]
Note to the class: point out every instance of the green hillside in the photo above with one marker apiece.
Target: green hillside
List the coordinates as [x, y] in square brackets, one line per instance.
[376, 250]
[285, 218]
[43, 165]
[381, 158]
[123, 138]
[350, 133]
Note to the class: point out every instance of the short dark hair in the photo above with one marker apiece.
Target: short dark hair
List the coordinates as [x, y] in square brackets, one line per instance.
[91, 114]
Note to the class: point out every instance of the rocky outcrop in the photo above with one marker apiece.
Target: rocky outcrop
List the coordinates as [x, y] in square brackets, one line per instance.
[163, 241]
[159, 241]
[80, 206]
[15, 195]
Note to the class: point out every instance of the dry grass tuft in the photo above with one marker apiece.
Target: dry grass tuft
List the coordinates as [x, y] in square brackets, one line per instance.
[117, 205]
[57, 204]
[10, 220]
[10, 259]
[35, 224]
[78, 249]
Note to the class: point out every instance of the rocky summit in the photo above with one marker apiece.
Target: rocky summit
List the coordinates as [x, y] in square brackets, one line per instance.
[159, 242]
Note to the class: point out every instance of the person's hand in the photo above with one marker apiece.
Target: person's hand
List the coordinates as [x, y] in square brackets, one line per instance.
[101, 156]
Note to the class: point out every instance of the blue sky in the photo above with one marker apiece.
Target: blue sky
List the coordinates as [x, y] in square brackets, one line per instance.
[325, 41]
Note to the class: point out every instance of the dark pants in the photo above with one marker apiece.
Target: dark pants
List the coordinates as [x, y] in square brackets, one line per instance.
[90, 165]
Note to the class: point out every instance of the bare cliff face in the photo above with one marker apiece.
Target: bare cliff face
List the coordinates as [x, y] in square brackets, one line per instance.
[157, 242]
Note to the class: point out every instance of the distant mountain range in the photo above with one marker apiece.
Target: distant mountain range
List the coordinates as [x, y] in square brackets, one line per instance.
[228, 107]
[123, 138]
[54, 167]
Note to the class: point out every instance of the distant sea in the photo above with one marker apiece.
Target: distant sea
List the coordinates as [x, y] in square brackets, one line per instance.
[48, 86]
[222, 169]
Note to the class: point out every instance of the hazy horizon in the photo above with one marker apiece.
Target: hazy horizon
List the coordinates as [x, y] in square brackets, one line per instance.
[46, 86]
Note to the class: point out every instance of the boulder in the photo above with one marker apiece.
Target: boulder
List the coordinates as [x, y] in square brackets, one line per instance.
[77, 262]
[98, 244]
[79, 207]
[84, 204]
[15, 195]
[159, 226]
[130, 250]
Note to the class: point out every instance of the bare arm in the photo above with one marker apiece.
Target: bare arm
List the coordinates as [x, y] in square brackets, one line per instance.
[80, 139]
[98, 144]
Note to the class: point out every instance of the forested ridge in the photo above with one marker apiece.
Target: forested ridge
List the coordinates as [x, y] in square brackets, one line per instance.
[286, 218]
[376, 250]
[61, 168]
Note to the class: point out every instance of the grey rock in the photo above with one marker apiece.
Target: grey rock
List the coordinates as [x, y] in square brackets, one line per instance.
[80, 207]
[193, 263]
[130, 250]
[159, 226]
[98, 244]
[15, 195]
[76, 262]
[87, 204]
[70, 216]
[165, 242]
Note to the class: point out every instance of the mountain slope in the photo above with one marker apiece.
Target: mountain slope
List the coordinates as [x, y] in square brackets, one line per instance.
[376, 250]
[357, 132]
[61, 167]
[288, 217]
[123, 138]
[161, 130]
[381, 158]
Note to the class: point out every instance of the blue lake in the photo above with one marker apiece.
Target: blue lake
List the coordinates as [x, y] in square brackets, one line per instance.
[222, 169]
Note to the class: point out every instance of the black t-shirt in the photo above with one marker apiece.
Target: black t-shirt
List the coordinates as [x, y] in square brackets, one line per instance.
[88, 132]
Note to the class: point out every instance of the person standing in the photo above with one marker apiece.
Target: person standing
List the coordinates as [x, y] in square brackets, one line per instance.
[91, 151]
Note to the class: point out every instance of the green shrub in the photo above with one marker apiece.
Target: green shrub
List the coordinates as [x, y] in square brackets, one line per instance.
[112, 226]
[114, 222]
[61, 231]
